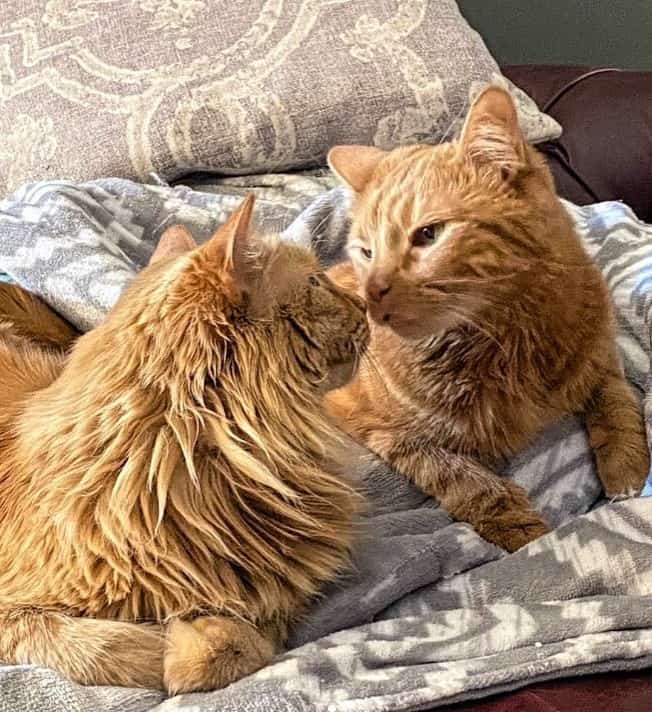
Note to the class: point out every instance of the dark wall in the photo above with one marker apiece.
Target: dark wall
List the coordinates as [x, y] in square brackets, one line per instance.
[605, 32]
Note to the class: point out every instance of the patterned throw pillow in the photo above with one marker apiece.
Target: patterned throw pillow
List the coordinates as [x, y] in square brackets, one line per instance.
[90, 88]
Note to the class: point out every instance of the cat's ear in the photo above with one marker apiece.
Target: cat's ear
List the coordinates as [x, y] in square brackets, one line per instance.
[491, 134]
[174, 241]
[229, 247]
[354, 165]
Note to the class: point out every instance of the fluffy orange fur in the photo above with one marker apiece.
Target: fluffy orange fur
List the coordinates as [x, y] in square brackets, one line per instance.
[489, 321]
[173, 497]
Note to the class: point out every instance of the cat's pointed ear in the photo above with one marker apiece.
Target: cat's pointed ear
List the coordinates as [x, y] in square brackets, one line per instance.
[491, 134]
[354, 165]
[174, 241]
[228, 248]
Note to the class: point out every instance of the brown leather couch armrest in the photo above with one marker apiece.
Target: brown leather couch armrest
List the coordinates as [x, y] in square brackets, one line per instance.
[609, 692]
[605, 152]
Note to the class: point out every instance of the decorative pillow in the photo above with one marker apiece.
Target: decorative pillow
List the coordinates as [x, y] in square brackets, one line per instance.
[90, 88]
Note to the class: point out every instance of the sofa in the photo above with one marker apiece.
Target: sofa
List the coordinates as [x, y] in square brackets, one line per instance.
[605, 152]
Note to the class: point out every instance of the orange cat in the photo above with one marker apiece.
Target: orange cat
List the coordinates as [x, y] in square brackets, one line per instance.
[489, 321]
[171, 500]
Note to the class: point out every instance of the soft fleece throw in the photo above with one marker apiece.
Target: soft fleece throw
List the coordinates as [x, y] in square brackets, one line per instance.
[430, 614]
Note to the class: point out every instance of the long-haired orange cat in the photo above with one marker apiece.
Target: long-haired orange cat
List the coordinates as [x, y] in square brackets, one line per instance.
[172, 498]
[489, 321]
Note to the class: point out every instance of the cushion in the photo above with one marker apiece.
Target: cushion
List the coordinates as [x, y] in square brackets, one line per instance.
[128, 88]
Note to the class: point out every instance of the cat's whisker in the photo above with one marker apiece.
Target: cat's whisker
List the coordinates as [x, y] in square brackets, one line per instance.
[473, 281]
[357, 357]
[498, 307]
[314, 231]
[370, 361]
[550, 263]
[474, 324]
[453, 123]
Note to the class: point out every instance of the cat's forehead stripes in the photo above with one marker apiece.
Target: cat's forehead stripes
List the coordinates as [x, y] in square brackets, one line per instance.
[396, 204]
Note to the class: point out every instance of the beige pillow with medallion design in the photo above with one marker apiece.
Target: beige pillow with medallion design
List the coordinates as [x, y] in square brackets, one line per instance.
[92, 88]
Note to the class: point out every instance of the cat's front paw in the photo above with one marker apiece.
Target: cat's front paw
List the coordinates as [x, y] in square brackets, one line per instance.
[508, 519]
[623, 470]
[513, 535]
[211, 653]
[621, 455]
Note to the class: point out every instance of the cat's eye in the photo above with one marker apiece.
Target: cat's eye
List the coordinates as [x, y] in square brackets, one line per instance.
[427, 235]
[366, 253]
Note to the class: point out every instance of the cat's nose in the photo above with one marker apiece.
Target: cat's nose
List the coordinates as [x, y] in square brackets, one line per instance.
[377, 288]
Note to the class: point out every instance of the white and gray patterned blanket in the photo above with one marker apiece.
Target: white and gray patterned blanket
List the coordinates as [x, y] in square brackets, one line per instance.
[431, 613]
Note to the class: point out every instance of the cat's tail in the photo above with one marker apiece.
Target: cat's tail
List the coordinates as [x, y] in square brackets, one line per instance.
[90, 651]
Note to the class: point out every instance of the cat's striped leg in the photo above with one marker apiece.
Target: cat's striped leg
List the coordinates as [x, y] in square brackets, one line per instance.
[498, 509]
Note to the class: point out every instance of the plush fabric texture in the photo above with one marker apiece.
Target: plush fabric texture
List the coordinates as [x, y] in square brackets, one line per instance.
[431, 614]
[121, 87]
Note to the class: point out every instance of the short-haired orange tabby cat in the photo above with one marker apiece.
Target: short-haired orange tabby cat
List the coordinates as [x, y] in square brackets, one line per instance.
[172, 497]
[488, 321]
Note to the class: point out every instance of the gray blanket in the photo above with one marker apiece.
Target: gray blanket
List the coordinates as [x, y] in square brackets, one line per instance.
[430, 613]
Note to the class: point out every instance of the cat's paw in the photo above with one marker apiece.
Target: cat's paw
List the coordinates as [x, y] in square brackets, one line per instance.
[622, 455]
[508, 519]
[514, 535]
[623, 469]
[211, 653]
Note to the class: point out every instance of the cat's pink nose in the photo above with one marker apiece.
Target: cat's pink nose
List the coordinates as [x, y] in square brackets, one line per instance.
[377, 288]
